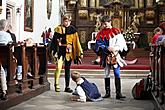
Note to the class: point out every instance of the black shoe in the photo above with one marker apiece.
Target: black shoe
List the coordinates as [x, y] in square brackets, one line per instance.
[68, 90]
[106, 96]
[119, 96]
[19, 88]
[4, 97]
[96, 62]
[57, 88]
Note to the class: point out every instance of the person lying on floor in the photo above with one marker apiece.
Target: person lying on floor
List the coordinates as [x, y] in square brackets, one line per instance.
[84, 90]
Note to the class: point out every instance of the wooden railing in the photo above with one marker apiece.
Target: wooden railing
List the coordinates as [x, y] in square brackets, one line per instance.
[33, 59]
[157, 56]
[8, 61]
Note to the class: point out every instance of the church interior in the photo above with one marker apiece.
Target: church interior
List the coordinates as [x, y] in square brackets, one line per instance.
[32, 19]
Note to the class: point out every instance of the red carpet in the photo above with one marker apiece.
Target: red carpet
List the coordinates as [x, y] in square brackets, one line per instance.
[142, 55]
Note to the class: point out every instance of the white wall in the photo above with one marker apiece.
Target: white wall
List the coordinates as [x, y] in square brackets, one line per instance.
[40, 20]
[2, 15]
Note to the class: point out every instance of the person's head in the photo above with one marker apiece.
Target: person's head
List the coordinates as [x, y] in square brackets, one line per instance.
[66, 20]
[49, 30]
[162, 26]
[75, 76]
[29, 42]
[158, 30]
[106, 21]
[9, 27]
[3, 25]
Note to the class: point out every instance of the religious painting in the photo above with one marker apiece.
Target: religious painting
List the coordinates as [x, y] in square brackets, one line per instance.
[150, 15]
[49, 8]
[116, 22]
[83, 14]
[0, 6]
[28, 15]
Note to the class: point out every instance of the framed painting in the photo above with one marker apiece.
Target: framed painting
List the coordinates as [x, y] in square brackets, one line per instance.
[49, 8]
[28, 15]
[0, 6]
[117, 22]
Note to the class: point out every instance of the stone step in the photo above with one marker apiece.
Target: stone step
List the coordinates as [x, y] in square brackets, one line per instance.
[137, 52]
[100, 73]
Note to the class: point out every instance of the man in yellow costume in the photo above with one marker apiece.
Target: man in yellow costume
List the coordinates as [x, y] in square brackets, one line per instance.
[65, 47]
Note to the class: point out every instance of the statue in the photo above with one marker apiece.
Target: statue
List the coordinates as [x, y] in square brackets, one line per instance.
[135, 23]
[98, 22]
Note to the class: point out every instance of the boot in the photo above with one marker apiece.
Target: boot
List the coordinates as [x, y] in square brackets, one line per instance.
[67, 81]
[57, 87]
[56, 80]
[118, 89]
[107, 88]
[4, 96]
[19, 87]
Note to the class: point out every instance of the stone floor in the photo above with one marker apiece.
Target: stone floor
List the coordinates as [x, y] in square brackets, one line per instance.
[51, 100]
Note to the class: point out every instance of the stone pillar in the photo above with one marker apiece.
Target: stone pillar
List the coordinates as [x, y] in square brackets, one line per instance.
[97, 3]
[92, 3]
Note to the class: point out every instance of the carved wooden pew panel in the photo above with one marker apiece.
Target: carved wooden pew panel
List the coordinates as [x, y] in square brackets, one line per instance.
[21, 55]
[36, 57]
[42, 52]
[158, 74]
[9, 62]
[161, 69]
[33, 58]
[31, 52]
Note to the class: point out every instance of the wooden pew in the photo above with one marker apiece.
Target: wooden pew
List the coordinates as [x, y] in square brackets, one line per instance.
[36, 57]
[42, 53]
[161, 76]
[33, 61]
[9, 62]
[158, 74]
[24, 55]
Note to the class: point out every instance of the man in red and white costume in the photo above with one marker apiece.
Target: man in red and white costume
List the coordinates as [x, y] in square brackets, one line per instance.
[110, 40]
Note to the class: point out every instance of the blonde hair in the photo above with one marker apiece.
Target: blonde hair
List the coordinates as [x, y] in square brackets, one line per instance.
[75, 75]
[67, 17]
[29, 42]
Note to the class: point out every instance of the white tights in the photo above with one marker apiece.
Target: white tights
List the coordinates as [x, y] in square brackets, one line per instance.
[3, 80]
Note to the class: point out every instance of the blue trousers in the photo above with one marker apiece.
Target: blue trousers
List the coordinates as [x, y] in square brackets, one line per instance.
[115, 70]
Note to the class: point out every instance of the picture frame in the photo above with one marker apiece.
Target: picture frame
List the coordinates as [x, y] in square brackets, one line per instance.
[117, 22]
[28, 15]
[49, 8]
[83, 14]
[0, 6]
